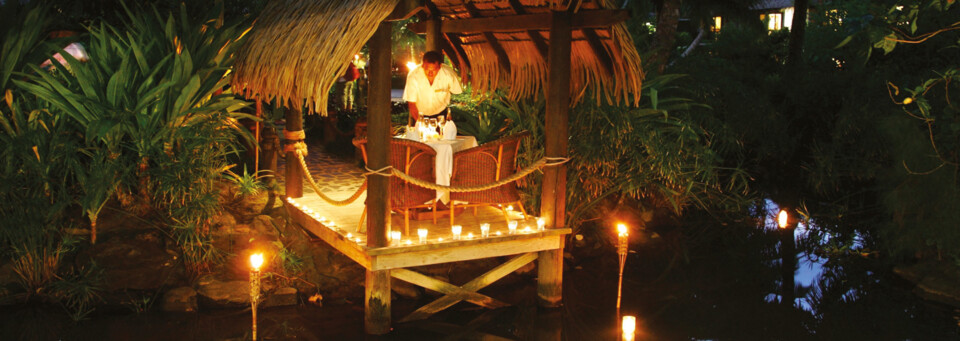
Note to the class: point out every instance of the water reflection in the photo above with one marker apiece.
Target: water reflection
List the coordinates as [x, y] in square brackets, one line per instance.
[700, 281]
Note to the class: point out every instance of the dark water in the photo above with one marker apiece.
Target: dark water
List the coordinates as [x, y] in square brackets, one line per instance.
[719, 282]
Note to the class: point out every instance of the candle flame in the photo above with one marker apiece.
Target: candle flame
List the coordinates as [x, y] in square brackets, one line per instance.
[256, 260]
[782, 219]
[622, 230]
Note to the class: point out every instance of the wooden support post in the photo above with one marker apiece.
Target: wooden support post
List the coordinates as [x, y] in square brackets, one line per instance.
[550, 277]
[550, 264]
[293, 170]
[557, 112]
[377, 307]
[433, 33]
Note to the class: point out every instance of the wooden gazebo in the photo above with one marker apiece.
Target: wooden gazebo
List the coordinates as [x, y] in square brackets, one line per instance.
[571, 49]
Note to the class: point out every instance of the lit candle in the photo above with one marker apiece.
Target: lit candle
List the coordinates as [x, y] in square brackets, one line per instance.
[440, 240]
[422, 233]
[512, 227]
[541, 224]
[395, 236]
[359, 240]
[499, 233]
[485, 230]
[510, 208]
[470, 235]
[526, 229]
[629, 328]
[408, 242]
[349, 235]
[456, 229]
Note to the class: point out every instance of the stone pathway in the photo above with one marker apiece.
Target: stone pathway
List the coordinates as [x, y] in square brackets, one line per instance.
[332, 174]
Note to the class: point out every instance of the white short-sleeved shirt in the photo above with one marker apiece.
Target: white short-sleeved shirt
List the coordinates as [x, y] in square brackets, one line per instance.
[431, 99]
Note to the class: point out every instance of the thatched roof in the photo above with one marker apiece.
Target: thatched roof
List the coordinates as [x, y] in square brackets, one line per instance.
[299, 47]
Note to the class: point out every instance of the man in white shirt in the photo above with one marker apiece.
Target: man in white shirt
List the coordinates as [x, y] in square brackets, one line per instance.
[429, 86]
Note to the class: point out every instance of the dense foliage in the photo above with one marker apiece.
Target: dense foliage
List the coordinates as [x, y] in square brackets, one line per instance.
[143, 121]
[836, 135]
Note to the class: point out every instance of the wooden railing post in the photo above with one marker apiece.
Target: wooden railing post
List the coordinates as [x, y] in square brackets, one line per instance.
[552, 199]
[377, 304]
[293, 171]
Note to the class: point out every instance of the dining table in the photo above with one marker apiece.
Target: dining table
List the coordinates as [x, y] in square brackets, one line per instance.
[444, 160]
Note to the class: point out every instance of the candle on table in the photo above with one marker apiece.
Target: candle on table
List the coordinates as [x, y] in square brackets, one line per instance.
[512, 226]
[484, 230]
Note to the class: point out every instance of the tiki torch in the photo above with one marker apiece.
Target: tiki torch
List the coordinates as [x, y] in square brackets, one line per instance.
[622, 253]
[256, 260]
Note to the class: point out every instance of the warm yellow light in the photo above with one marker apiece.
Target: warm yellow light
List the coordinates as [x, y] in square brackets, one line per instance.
[411, 65]
[629, 327]
[356, 56]
[622, 230]
[256, 260]
[782, 219]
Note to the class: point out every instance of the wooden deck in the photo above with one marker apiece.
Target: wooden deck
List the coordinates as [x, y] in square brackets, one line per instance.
[338, 226]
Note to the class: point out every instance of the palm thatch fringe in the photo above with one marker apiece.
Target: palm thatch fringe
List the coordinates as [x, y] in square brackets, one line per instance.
[298, 48]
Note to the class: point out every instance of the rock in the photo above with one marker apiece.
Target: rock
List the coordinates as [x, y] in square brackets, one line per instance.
[404, 289]
[281, 297]
[909, 273]
[7, 275]
[263, 224]
[939, 289]
[217, 294]
[137, 261]
[182, 299]
[223, 223]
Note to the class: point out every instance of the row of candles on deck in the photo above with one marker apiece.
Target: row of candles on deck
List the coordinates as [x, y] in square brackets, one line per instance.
[396, 237]
[457, 231]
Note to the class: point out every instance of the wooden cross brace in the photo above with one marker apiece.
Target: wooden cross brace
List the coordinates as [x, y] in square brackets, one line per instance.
[467, 292]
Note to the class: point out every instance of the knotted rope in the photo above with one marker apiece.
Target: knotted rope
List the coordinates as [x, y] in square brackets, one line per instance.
[297, 147]
[390, 171]
[331, 201]
[543, 162]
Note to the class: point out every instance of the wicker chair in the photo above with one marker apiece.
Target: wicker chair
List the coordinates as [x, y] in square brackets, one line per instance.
[486, 164]
[417, 160]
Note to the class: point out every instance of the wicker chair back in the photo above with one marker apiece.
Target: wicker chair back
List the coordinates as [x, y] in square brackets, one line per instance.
[486, 164]
[413, 158]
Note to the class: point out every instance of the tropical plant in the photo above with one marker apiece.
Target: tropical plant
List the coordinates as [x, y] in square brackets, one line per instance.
[150, 104]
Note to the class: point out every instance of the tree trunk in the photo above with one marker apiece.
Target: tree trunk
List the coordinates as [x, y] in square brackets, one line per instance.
[795, 54]
[668, 17]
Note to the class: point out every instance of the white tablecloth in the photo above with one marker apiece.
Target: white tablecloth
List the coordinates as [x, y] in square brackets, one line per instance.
[444, 167]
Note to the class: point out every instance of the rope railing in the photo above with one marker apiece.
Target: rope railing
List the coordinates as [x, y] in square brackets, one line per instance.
[331, 201]
[390, 171]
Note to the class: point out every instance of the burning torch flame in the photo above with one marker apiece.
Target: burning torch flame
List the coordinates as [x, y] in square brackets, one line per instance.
[622, 230]
[256, 260]
[782, 219]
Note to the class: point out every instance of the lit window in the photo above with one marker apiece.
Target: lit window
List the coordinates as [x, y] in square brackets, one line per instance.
[774, 21]
[788, 17]
[717, 24]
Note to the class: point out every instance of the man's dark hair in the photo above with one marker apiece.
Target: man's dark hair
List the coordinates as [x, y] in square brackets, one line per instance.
[433, 57]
